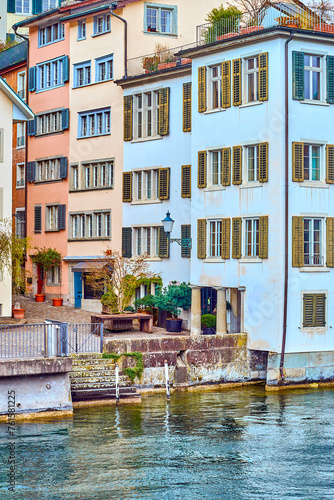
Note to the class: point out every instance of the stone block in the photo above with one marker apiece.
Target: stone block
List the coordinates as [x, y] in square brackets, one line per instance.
[140, 345]
[295, 374]
[274, 359]
[258, 360]
[272, 376]
[320, 373]
[173, 344]
[181, 375]
[157, 359]
[297, 360]
[116, 346]
[154, 345]
[322, 358]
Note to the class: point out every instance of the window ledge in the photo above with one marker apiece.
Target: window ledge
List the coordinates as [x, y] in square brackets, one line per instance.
[48, 181]
[95, 238]
[99, 34]
[249, 104]
[145, 139]
[49, 88]
[53, 284]
[50, 43]
[317, 103]
[81, 38]
[153, 259]
[250, 260]
[90, 136]
[214, 260]
[214, 188]
[314, 269]
[314, 329]
[251, 185]
[51, 230]
[92, 83]
[216, 110]
[314, 184]
[20, 187]
[145, 202]
[102, 188]
[20, 147]
[158, 33]
[47, 134]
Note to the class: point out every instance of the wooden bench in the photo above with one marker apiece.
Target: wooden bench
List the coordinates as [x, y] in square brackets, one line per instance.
[121, 322]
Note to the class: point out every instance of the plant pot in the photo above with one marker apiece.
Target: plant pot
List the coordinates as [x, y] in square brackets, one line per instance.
[173, 325]
[166, 65]
[57, 301]
[208, 331]
[40, 297]
[18, 313]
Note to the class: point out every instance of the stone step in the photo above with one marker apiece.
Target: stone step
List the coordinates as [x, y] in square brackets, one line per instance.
[98, 385]
[107, 394]
[92, 373]
[83, 356]
[95, 366]
[89, 380]
[93, 361]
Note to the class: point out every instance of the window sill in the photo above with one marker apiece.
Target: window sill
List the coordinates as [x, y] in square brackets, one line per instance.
[20, 147]
[20, 187]
[250, 260]
[251, 185]
[90, 136]
[314, 329]
[145, 202]
[214, 260]
[81, 38]
[214, 188]
[211, 111]
[153, 259]
[145, 139]
[50, 43]
[47, 134]
[314, 269]
[158, 33]
[317, 103]
[91, 84]
[72, 190]
[48, 181]
[99, 34]
[53, 284]
[95, 238]
[49, 88]
[314, 184]
[249, 104]
[51, 230]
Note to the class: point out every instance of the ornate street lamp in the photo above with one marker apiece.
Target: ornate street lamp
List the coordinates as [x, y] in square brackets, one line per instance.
[168, 223]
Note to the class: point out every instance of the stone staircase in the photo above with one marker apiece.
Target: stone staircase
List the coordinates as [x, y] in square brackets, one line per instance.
[93, 377]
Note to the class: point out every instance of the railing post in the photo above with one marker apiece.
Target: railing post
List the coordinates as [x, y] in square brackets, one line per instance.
[167, 380]
[101, 337]
[117, 383]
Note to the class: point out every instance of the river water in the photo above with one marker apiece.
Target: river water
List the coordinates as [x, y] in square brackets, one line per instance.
[236, 444]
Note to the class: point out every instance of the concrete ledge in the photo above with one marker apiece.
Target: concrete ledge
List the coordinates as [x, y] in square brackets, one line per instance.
[41, 415]
[34, 366]
[105, 402]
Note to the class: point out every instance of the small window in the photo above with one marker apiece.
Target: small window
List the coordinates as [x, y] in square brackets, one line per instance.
[48, 170]
[215, 168]
[51, 214]
[252, 163]
[314, 310]
[101, 24]
[146, 185]
[90, 225]
[313, 242]
[160, 19]
[215, 238]
[49, 5]
[94, 123]
[21, 135]
[312, 77]
[51, 33]
[252, 79]
[251, 237]
[146, 114]
[312, 162]
[21, 85]
[52, 276]
[146, 241]
[75, 176]
[215, 86]
[104, 68]
[20, 222]
[82, 29]
[50, 74]
[82, 74]
[49, 123]
[22, 7]
[20, 175]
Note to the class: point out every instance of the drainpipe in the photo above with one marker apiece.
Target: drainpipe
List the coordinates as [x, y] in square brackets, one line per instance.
[286, 208]
[26, 39]
[112, 7]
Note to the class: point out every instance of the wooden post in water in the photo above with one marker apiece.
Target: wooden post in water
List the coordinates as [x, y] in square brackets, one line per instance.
[167, 380]
[117, 383]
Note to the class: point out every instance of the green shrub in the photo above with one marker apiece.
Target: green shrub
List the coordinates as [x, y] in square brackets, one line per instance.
[145, 302]
[208, 321]
[173, 298]
[110, 299]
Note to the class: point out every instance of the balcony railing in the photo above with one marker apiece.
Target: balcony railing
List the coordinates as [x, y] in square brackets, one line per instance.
[313, 260]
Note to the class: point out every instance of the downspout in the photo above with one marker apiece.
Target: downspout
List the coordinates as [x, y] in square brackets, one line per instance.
[26, 39]
[112, 7]
[286, 209]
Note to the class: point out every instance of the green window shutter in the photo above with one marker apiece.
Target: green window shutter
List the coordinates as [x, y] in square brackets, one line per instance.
[308, 309]
[263, 161]
[236, 63]
[330, 79]
[314, 310]
[164, 182]
[202, 89]
[297, 242]
[127, 117]
[66, 68]
[263, 76]
[226, 84]
[185, 233]
[164, 244]
[297, 161]
[186, 181]
[201, 183]
[263, 237]
[187, 107]
[330, 164]
[225, 244]
[127, 242]
[11, 6]
[36, 7]
[201, 238]
[226, 167]
[319, 309]
[164, 111]
[237, 165]
[236, 237]
[298, 76]
[127, 186]
[330, 241]
[32, 79]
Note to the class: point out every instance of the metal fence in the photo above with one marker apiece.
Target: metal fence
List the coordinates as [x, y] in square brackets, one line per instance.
[51, 338]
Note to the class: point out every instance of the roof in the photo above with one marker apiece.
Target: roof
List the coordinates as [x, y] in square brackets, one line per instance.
[13, 56]
[16, 100]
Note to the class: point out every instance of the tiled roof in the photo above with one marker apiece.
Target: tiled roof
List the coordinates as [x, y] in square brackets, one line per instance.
[13, 56]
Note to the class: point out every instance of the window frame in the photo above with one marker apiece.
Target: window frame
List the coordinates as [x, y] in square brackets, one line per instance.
[42, 34]
[21, 89]
[247, 72]
[20, 223]
[106, 24]
[20, 144]
[153, 183]
[322, 79]
[143, 232]
[253, 243]
[21, 12]
[215, 223]
[82, 28]
[92, 220]
[52, 118]
[20, 166]
[51, 212]
[158, 29]
[149, 113]
[322, 173]
[49, 6]
[85, 172]
[42, 75]
[211, 81]
[90, 118]
[86, 68]
[256, 159]
[321, 257]
[314, 293]
[51, 274]
[104, 60]
[44, 167]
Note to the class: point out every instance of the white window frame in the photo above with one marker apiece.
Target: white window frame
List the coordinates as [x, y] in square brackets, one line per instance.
[23, 10]
[311, 145]
[146, 241]
[82, 29]
[94, 225]
[104, 68]
[48, 170]
[213, 81]
[49, 123]
[256, 159]
[20, 222]
[97, 174]
[49, 74]
[49, 5]
[158, 25]
[214, 238]
[101, 24]
[82, 74]
[20, 175]
[254, 233]
[312, 258]
[53, 276]
[146, 115]
[88, 122]
[314, 69]
[146, 185]
[212, 175]
[20, 135]
[21, 85]
[248, 72]
[51, 217]
[75, 177]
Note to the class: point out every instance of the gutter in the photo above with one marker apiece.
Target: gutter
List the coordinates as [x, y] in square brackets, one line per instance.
[286, 210]
[113, 6]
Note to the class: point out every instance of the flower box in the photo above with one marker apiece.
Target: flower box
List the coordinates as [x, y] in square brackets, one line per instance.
[166, 65]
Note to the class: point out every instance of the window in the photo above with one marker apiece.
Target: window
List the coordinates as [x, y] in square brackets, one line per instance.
[146, 185]
[95, 175]
[49, 4]
[252, 237]
[75, 177]
[92, 123]
[50, 74]
[146, 241]
[313, 242]
[146, 114]
[82, 29]
[49, 123]
[21, 135]
[104, 68]
[215, 86]
[215, 238]
[48, 170]
[51, 221]
[314, 310]
[52, 276]
[82, 74]
[22, 7]
[21, 85]
[160, 19]
[252, 79]
[20, 175]
[252, 163]
[216, 168]
[20, 222]
[312, 162]
[51, 33]
[101, 24]
[312, 77]
[91, 225]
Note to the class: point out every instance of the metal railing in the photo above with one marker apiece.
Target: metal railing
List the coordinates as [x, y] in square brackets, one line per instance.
[52, 338]
[313, 260]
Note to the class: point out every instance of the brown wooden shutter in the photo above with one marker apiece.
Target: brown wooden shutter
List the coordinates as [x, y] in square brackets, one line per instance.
[237, 165]
[263, 162]
[308, 309]
[236, 82]
[314, 310]
[164, 183]
[263, 76]
[127, 242]
[226, 167]
[330, 164]
[186, 181]
[225, 244]
[201, 183]
[236, 237]
[127, 118]
[164, 111]
[185, 234]
[226, 84]
[127, 186]
[297, 242]
[319, 309]
[330, 241]
[263, 237]
[164, 244]
[297, 161]
[187, 107]
[202, 89]
[201, 238]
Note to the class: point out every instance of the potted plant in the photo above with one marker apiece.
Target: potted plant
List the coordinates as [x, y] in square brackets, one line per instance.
[150, 63]
[172, 299]
[208, 323]
[46, 258]
[19, 248]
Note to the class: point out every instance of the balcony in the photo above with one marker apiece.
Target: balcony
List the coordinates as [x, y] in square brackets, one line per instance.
[313, 260]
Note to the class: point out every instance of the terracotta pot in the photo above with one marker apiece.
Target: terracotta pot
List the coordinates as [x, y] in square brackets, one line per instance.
[40, 297]
[18, 313]
[57, 301]
[166, 65]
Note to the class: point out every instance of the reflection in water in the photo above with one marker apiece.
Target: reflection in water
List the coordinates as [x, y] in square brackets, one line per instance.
[241, 444]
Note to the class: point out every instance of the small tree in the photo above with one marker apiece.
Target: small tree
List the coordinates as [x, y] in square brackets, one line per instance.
[47, 258]
[224, 20]
[173, 298]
